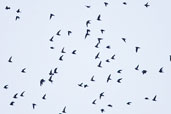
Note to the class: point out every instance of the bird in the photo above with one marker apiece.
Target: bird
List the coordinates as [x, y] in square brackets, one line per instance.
[51, 39]
[10, 60]
[146, 98]
[85, 85]
[124, 39]
[97, 56]
[97, 45]
[128, 103]
[6, 87]
[88, 22]
[124, 3]
[108, 47]
[55, 70]
[81, 84]
[146, 5]
[15, 96]
[109, 105]
[61, 58]
[22, 94]
[170, 57]
[137, 67]
[144, 71]
[51, 73]
[41, 82]
[69, 32]
[154, 99]
[51, 15]
[7, 7]
[62, 51]
[161, 70]
[94, 102]
[99, 17]
[12, 103]
[44, 97]
[58, 33]
[136, 49]
[109, 78]
[119, 71]
[102, 110]
[100, 64]
[64, 110]
[33, 105]
[74, 52]
[102, 31]
[52, 47]
[50, 79]
[99, 39]
[23, 70]
[92, 78]
[113, 57]
[88, 6]
[107, 60]
[87, 33]
[105, 3]
[17, 17]
[101, 95]
[119, 80]
[18, 11]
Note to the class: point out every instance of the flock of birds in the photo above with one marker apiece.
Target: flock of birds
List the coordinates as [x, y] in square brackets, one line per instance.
[74, 52]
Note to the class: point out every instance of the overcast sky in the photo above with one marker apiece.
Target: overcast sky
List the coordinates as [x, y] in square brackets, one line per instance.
[27, 41]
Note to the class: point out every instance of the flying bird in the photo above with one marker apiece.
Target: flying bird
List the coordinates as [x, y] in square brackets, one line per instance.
[62, 51]
[18, 11]
[119, 71]
[74, 52]
[51, 73]
[88, 22]
[102, 110]
[109, 78]
[161, 70]
[81, 84]
[108, 47]
[154, 99]
[146, 5]
[113, 57]
[88, 6]
[92, 78]
[51, 15]
[22, 94]
[99, 65]
[85, 85]
[128, 103]
[7, 7]
[105, 3]
[10, 60]
[94, 102]
[61, 58]
[12, 103]
[99, 17]
[17, 17]
[146, 98]
[64, 110]
[144, 71]
[6, 87]
[97, 56]
[44, 97]
[124, 3]
[102, 31]
[58, 33]
[107, 60]
[109, 105]
[15, 96]
[124, 39]
[137, 67]
[23, 70]
[101, 95]
[136, 49]
[69, 32]
[170, 57]
[119, 80]
[52, 47]
[99, 39]
[55, 70]
[41, 82]
[33, 105]
[87, 33]
[51, 39]
[50, 79]
[97, 45]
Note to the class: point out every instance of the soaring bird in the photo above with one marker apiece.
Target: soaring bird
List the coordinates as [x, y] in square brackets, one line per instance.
[6, 87]
[113, 57]
[85, 86]
[161, 70]
[7, 8]
[106, 3]
[99, 17]
[74, 52]
[101, 95]
[109, 105]
[23, 70]
[94, 102]
[108, 47]
[146, 5]
[69, 33]
[107, 60]
[15, 96]
[109, 78]
[61, 58]
[41, 82]
[17, 17]
[51, 15]
[50, 79]
[102, 31]
[102, 110]
[12, 103]
[170, 57]
[22, 94]
[51, 39]
[62, 51]
[99, 39]
[33, 105]
[18, 11]
[144, 71]
[52, 47]
[51, 73]
[97, 45]
[92, 78]
[58, 33]
[88, 22]
[128, 103]
[97, 56]
[44, 97]
[124, 3]
[136, 49]
[119, 80]
[100, 64]
[64, 110]
[88, 6]
[154, 99]
[87, 33]
[81, 84]
[119, 71]
[55, 70]
[124, 39]
[137, 67]
[146, 98]
[10, 60]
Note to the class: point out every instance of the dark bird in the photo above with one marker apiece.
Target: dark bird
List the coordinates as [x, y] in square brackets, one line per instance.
[44, 97]
[17, 17]
[58, 33]
[124, 39]
[61, 58]
[50, 79]
[51, 39]
[107, 60]
[99, 17]
[22, 94]
[7, 8]
[119, 80]
[88, 6]
[52, 48]
[105, 3]
[81, 84]
[137, 67]
[154, 99]
[136, 49]
[15, 96]
[18, 11]
[85, 85]
[124, 3]
[109, 78]
[101, 95]
[88, 22]
[109, 105]
[6, 87]
[144, 71]
[51, 15]
[99, 65]
[102, 110]
[10, 59]
[128, 103]
[97, 45]
[64, 110]
[102, 31]
[161, 70]
[12, 103]
[97, 56]
[146, 98]
[74, 52]
[34, 105]
[92, 78]
[51, 73]
[113, 57]
[146, 5]
[99, 39]
[87, 33]
[108, 47]
[23, 70]
[69, 32]
[170, 57]
[62, 51]
[41, 82]
[119, 71]
[55, 70]
[94, 102]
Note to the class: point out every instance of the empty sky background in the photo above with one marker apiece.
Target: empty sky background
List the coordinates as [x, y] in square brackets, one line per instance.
[27, 41]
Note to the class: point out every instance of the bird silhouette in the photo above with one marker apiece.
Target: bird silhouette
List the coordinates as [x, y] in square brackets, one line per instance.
[100, 64]
[52, 47]
[17, 17]
[61, 58]
[74, 52]
[7, 7]
[107, 60]
[97, 56]
[113, 57]
[55, 70]
[10, 60]
[97, 45]
[92, 78]
[128, 103]
[81, 84]
[58, 33]
[12, 103]
[51, 39]
[119, 80]
[23, 70]
[137, 67]
[101, 95]
[146, 5]
[109, 78]
[88, 22]
[85, 86]
[87, 33]
[102, 110]
[69, 33]
[51, 73]
[144, 71]
[22, 94]
[18, 11]
[88, 6]
[99, 17]
[51, 15]
[105, 3]
[136, 49]
[124, 39]
[102, 31]
[33, 105]
[62, 51]
[50, 79]
[64, 110]
[146, 98]
[109, 105]
[44, 97]
[170, 57]
[124, 3]
[99, 39]
[119, 71]
[6, 87]
[161, 70]
[108, 47]
[154, 99]
[15, 96]
[41, 82]
[94, 102]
